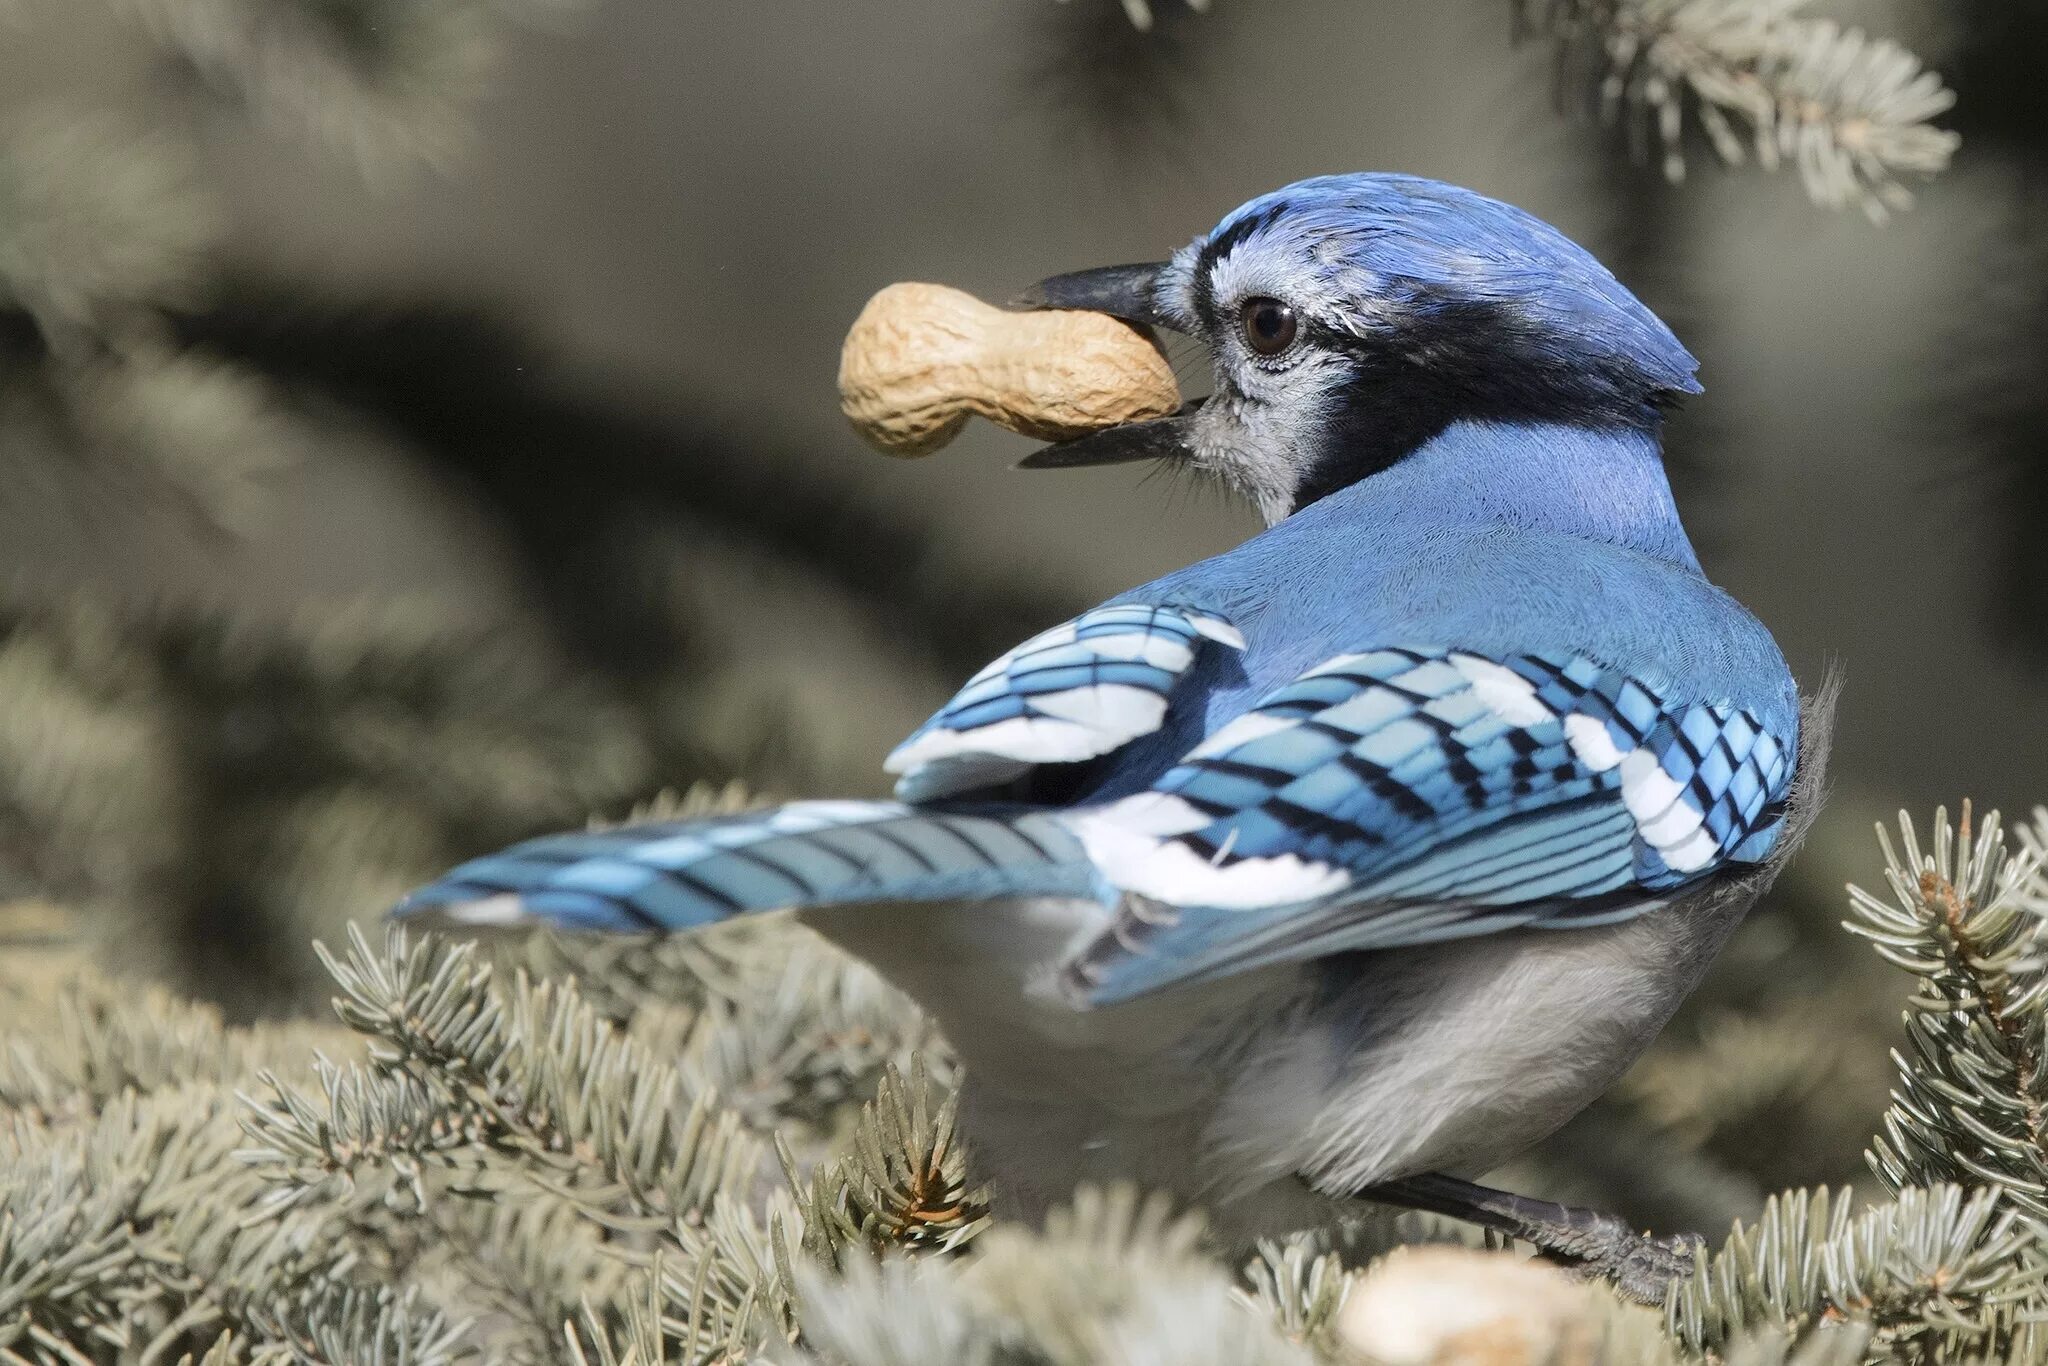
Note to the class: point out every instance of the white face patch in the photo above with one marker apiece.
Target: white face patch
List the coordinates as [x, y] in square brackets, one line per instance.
[1262, 431]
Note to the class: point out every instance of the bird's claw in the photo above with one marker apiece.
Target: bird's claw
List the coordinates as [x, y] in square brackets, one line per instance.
[1640, 1267]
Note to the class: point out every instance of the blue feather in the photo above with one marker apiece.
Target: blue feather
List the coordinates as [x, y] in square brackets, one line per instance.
[679, 875]
[1400, 795]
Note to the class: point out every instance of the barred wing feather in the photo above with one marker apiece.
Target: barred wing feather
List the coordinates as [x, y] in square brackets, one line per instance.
[1400, 796]
[1075, 692]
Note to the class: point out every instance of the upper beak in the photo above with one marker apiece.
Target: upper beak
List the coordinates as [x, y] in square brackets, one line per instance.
[1126, 292]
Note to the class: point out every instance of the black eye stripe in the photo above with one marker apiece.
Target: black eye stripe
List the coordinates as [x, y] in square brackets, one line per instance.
[1220, 246]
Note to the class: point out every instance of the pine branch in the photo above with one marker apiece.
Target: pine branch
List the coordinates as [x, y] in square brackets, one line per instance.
[1970, 922]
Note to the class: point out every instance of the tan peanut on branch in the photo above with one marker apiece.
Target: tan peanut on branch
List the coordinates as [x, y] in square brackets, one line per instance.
[921, 358]
[1450, 1306]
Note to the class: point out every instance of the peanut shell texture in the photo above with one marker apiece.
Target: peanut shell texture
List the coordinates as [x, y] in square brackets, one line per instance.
[921, 359]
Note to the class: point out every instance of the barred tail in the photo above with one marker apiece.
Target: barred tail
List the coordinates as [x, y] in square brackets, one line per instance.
[677, 875]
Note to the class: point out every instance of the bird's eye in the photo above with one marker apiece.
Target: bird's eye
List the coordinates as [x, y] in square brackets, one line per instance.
[1268, 324]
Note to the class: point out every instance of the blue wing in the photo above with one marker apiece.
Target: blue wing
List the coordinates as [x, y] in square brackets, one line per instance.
[1077, 691]
[1401, 796]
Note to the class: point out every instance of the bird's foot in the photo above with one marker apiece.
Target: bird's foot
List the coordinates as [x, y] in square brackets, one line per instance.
[1588, 1242]
[1640, 1266]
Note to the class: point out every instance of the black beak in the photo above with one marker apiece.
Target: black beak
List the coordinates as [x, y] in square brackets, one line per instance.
[1163, 438]
[1125, 292]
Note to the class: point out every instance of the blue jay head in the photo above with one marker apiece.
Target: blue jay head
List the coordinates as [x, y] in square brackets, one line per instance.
[1353, 317]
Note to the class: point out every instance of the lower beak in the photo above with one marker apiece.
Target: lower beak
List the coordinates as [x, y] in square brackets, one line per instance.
[1162, 438]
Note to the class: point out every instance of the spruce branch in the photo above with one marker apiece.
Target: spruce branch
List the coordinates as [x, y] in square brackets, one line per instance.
[196, 435]
[735, 1282]
[663, 1321]
[221, 792]
[380, 82]
[133, 1229]
[1851, 113]
[1969, 920]
[1741, 1067]
[815, 1034]
[1939, 1273]
[533, 1072]
[1139, 12]
[1299, 1284]
[354, 1324]
[362, 1119]
[93, 1040]
[903, 1187]
[99, 219]
[1116, 1277]
[526, 1263]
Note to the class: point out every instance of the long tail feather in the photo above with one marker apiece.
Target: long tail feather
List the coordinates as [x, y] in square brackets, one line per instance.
[676, 875]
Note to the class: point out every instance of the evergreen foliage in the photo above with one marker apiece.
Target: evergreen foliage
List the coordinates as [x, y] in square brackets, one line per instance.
[740, 1146]
[1970, 922]
[482, 1163]
[1850, 112]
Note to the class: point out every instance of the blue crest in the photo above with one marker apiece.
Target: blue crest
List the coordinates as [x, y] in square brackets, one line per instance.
[1436, 265]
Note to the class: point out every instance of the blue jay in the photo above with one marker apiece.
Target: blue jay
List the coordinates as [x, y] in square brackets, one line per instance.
[1353, 861]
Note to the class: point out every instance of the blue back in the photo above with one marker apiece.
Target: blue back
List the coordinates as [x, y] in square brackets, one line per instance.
[1499, 540]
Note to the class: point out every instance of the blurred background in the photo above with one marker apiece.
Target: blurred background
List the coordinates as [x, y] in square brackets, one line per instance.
[417, 430]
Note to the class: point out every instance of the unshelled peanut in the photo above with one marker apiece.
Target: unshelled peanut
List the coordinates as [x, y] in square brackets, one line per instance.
[921, 358]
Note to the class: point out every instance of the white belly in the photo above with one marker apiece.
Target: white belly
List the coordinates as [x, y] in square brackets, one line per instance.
[1056, 1097]
[1243, 1094]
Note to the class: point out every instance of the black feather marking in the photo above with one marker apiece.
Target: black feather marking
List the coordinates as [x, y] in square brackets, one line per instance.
[1386, 787]
[690, 882]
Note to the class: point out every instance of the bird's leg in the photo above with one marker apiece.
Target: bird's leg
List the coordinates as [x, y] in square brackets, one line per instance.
[1595, 1244]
